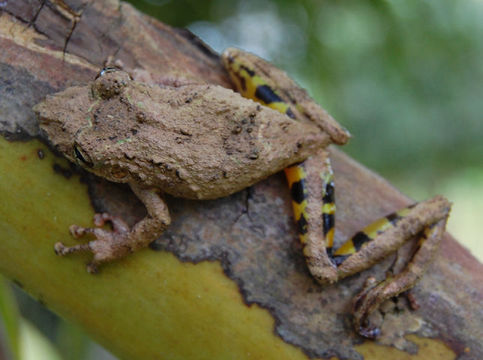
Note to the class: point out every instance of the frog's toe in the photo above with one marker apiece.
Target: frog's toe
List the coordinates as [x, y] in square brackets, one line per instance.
[413, 302]
[365, 303]
[61, 250]
[101, 253]
[77, 231]
[100, 234]
[100, 219]
[118, 225]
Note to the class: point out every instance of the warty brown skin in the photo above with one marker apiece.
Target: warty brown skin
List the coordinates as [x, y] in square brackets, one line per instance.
[193, 141]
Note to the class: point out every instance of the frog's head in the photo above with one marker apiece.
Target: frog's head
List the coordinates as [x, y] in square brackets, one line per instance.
[62, 118]
[70, 127]
[68, 119]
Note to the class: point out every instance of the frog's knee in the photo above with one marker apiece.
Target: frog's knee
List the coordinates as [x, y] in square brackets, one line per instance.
[323, 274]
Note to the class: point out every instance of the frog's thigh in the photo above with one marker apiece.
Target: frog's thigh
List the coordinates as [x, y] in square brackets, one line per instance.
[312, 187]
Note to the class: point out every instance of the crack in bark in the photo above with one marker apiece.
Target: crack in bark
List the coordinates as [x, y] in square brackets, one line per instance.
[76, 16]
[28, 23]
[248, 192]
[3, 9]
[69, 35]
[118, 23]
[36, 15]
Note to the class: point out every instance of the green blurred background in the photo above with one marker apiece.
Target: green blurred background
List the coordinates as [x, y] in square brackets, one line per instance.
[406, 78]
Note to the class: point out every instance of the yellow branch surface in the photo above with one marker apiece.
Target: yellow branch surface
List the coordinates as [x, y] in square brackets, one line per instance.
[150, 306]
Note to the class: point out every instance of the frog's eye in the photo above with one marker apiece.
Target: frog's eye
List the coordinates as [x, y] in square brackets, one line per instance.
[107, 70]
[82, 157]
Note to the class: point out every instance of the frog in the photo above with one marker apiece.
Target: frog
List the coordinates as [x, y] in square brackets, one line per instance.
[204, 141]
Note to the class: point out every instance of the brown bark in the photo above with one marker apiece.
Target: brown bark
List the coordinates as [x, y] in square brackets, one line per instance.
[47, 46]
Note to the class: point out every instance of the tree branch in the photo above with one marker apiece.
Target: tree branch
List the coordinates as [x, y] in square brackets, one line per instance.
[228, 254]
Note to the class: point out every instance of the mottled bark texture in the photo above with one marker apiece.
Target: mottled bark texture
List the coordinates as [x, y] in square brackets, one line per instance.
[47, 46]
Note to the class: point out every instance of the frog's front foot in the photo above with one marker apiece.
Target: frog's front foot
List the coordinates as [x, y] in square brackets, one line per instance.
[122, 240]
[109, 245]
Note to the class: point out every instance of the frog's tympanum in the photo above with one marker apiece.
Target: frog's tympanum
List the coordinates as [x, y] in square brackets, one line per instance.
[201, 141]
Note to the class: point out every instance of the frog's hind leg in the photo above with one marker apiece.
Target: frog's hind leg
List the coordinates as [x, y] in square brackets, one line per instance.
[315, 221]
[374, 294]
[426, 221]
[309, 182]
[111, 245]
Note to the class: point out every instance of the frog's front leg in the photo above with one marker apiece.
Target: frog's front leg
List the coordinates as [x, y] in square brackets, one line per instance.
[112, 245]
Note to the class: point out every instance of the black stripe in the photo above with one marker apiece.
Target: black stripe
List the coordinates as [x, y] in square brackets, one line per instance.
[290, 114]
[302, 225]
[297, 191]
[393, 218]
[330, 251]
[359, 239]
[248, 70]
[267, 95]
[329, 193]
[328, 222]
[339, 259]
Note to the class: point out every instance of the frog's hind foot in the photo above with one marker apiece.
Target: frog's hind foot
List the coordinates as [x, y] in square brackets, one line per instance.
[374, 294]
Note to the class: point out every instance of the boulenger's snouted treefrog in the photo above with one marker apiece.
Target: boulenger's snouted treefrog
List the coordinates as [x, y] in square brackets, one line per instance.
[201, 141]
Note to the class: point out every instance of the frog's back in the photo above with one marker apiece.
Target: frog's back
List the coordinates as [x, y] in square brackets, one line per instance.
[194, 141]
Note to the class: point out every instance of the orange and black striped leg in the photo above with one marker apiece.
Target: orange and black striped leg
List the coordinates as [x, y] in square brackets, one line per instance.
[310, 182]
